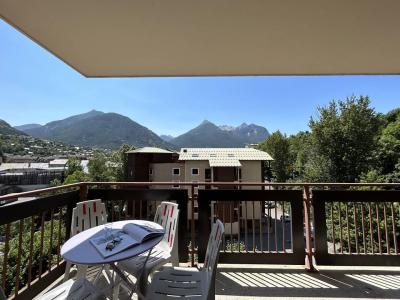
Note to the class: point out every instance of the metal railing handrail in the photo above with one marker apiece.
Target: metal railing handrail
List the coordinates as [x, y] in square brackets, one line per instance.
[12, 196]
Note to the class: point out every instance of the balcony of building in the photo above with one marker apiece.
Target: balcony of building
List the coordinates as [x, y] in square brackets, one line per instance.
[281, 240]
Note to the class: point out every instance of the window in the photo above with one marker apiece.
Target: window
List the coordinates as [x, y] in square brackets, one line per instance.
[176, 171]
[151, 171]
[195, 155]
[231, 155]
[195, 171]
[213, 155]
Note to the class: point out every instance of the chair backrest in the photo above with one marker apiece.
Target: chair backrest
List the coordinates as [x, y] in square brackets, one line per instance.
[211, 259]
[214, 243]
[167, 216]
[88, 214]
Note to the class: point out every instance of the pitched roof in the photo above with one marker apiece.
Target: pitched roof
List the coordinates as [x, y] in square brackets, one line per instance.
[224, 162]
[149, 150]
[223, 154]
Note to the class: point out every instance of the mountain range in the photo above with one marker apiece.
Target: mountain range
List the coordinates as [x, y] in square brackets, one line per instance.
[208, 134]
[166, 137]
[98, 129]
[7, 129]
[111, 130]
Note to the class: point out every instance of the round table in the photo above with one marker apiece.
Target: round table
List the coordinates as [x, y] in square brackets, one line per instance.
[79, 250]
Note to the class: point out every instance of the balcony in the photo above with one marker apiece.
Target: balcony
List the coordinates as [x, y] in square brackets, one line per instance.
[282, 240]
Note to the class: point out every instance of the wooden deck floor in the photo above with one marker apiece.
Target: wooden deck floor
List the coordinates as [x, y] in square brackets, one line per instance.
[247, 282]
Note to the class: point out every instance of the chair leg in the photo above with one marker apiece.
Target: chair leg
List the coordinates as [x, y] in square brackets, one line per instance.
[82, 269]
[67, 271]
[117, 283]
[107, 273]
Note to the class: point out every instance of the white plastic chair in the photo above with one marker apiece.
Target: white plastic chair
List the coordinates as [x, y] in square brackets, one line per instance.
[166, 251]
[189, 283]
[85, 215]
[73, 289]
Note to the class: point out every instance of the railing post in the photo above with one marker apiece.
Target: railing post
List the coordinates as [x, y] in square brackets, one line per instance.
[307, 218]
[83, 192]
[182, 232]
[192, 227]
[204, 226]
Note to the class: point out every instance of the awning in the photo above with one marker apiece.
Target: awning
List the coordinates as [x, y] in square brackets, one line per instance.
[224, 163]
[214, 37]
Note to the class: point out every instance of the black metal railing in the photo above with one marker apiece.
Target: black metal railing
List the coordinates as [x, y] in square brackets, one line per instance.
[357, 227]
[265, 223]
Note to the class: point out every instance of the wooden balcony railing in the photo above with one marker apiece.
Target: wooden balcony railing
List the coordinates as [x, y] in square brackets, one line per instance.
[265, 223]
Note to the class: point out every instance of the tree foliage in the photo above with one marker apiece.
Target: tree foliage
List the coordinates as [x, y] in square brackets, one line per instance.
[277, 146]
[49, 250]
[388, 152]
[348, 141]
[101, 167]
[300, 151]
[118, 163]
[98, 170]
[344, 136]
[73, 165]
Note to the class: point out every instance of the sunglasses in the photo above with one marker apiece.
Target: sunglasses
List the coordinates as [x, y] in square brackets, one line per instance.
[114, 242]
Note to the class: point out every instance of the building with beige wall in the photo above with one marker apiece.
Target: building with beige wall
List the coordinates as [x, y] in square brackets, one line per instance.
[197, 165]
[227, 165]
[203, 165]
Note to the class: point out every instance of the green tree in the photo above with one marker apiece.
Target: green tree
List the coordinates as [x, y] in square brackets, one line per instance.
[118, 163]
[77, 176]
[277, 146]
[300, 148]
[388, 153]
[98, 169]
[55, 182]
[392, 116]
[344, 136]
[73, 165]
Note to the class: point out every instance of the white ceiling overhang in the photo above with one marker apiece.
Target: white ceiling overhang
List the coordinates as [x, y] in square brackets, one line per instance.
[102, 38]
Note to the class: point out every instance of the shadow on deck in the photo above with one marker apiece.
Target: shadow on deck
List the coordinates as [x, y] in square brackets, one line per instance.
[293, 282]
[257, 282]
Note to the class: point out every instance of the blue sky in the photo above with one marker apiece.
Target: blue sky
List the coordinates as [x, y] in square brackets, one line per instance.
[36, 87]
